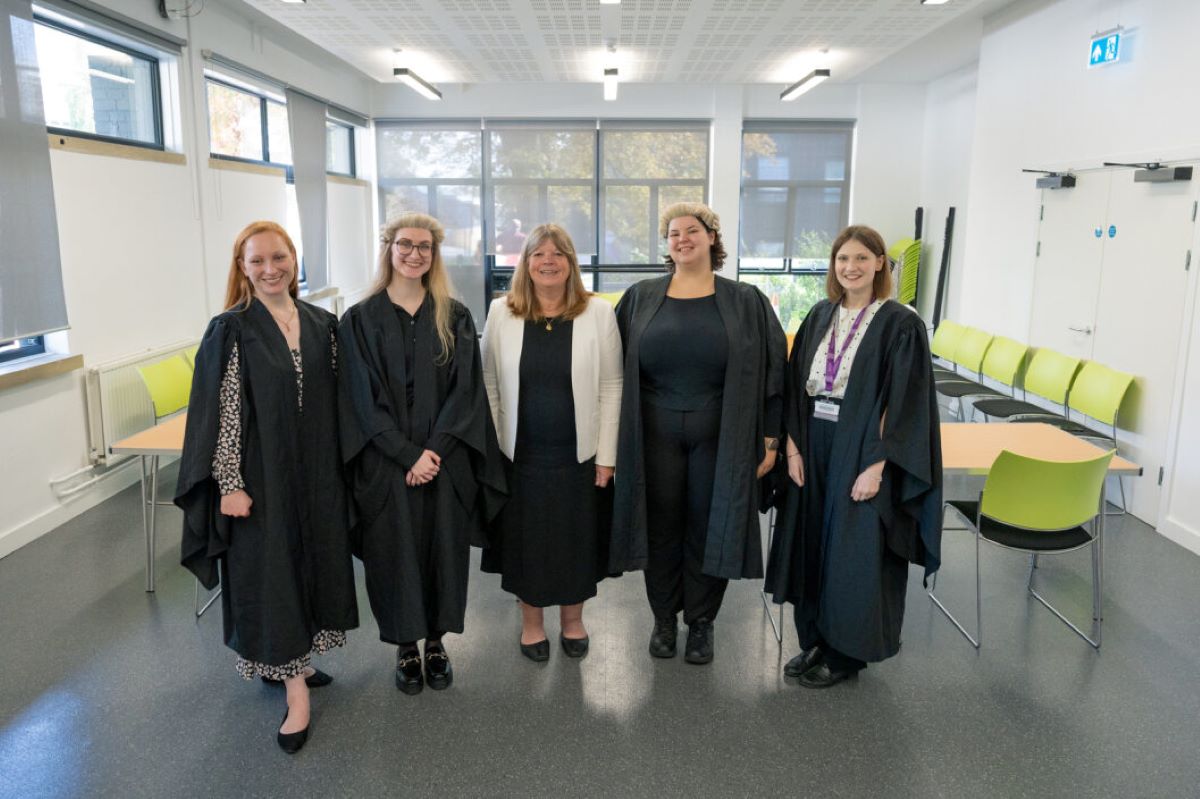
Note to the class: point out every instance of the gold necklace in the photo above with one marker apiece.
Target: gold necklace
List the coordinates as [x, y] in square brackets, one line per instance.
[550, 321]
[285, 323]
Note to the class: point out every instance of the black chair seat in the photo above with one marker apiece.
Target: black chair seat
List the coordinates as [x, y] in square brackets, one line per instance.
[965, 388]
[1071, 426]
[1019, 538]
[1004, 408]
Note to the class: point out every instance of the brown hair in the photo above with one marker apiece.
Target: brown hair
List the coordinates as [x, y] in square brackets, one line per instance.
[707, 217]
[869, 238]
[435, 281]
[522, 301]
[238, 291]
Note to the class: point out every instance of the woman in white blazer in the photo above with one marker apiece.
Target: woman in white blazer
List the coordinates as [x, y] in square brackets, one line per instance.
[552, 369]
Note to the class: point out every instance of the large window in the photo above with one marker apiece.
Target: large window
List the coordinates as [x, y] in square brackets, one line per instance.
[247, 126]
[794, 200]
[605, 183]
[339, 149]
[96, 88]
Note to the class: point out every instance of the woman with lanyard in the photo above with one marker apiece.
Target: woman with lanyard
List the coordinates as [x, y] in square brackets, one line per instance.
[864, 462]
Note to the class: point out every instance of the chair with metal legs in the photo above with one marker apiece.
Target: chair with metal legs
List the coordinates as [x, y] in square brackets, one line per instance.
[1040, 508]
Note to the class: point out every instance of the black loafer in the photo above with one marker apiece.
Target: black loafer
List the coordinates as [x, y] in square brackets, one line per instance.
[699, 642]
[537, 652]
[291, 742]
[438, 672]
[821, 676]
[408, 672]
[574, 647]
[805, 662]
[318, 679]
[662, 640]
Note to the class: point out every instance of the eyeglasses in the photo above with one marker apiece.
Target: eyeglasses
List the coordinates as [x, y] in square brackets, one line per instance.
[404, 247]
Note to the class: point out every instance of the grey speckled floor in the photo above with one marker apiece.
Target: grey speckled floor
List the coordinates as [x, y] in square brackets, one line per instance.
[108, 691]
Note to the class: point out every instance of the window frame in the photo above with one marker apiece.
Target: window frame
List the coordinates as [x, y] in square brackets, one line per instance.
[34, 346]
[787, 262]
[353, 173]
[263, 121]
[156, 97]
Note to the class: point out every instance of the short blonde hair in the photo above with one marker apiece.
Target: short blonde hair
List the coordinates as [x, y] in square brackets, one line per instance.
[707, 217]
[522, 301]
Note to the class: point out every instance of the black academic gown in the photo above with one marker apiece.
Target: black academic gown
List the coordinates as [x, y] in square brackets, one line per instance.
[285, 569]
[415, 541]
[833, 557]
[753, 376]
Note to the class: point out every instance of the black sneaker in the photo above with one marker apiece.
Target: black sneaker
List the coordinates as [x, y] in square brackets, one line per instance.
[408, 672]
[438, 672]
[662, 640]
[699, 642]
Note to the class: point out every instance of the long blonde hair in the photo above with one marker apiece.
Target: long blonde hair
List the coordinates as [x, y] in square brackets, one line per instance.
[435, 281]
[522, 301]
[238, 291]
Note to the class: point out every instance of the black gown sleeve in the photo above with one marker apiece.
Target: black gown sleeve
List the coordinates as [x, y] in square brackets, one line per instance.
[364, 407]
[776, 364]
[910, 502]
[206, 530]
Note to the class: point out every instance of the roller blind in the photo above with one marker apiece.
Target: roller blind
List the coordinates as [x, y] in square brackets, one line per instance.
[306, 122]
[31, 288]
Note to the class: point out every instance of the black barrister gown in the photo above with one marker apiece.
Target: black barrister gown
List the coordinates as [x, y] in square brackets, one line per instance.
[415, 541]
[754, 374]
[834, 556]
[285, 569]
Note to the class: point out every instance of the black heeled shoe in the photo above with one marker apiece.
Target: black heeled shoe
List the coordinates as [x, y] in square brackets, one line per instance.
[803, 663]
[438, 672]
[538, 651]
[291, 742]
[408, 672]
[318, 679]
[574, 647]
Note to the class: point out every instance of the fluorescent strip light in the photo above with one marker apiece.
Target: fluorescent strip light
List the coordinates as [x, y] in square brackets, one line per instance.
[417, 83]
[294, 2]
[610, 83]
[610, 2]
[934, 2]
[804, 84]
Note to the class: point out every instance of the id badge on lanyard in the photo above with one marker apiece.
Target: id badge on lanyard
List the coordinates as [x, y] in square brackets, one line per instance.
[823, 409]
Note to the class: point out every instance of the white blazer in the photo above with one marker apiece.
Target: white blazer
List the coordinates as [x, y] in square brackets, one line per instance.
[595, 377]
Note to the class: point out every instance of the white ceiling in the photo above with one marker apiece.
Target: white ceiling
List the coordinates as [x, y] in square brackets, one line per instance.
[659, 41]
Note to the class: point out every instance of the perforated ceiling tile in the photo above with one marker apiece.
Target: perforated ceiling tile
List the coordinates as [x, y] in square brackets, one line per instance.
[676, 41]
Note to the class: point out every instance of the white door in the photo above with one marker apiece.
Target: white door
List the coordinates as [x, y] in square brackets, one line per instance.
[1067, 274]
[1139, 316]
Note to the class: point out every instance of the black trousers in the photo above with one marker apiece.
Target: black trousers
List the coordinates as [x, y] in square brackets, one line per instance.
[681, 462]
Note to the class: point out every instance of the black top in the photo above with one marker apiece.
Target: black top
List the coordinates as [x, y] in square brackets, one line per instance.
[683, 355]
[408, 322]
[546, 408]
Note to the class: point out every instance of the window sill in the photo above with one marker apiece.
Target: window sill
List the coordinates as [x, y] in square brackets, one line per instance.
[38, 367]
[79, 144]
[249, 167]
[346, 180]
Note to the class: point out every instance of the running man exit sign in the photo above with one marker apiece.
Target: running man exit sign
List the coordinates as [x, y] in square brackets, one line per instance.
[1105, 49]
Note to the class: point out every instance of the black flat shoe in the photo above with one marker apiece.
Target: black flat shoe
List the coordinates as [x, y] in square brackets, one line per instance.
[408, 672]
[699, 642]
[662, 640]
[537, 652]
[821, 676]
[318, 679]
[291, 742]
[438, 672]
[574, 647]
[805, 662]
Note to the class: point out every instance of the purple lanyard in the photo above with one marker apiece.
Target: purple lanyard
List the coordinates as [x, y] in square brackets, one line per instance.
[832, 363]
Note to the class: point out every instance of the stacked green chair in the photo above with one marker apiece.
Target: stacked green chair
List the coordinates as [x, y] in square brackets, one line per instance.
[1097, 392]
[1040, 508]
[907, 255]
[1048, 376]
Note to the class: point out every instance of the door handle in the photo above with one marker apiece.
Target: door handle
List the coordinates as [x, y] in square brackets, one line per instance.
[1087, 331]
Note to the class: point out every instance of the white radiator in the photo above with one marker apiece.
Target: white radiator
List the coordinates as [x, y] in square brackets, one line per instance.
[118, 403]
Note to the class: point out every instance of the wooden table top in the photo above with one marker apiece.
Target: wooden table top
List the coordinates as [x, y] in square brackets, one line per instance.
[973, 448]
[162, 439]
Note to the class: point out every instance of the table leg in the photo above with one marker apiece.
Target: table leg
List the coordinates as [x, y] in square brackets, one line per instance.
[150, 533]
[146, 523]
[1099, 576]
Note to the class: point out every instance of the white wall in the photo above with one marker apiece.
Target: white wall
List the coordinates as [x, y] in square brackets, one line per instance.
[145, 249]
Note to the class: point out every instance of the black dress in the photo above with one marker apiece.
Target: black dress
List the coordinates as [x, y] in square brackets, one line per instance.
[285, 569]
[401, 397]
[552, 536]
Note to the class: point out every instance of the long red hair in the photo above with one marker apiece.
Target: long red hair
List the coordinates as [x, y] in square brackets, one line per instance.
[238, 291]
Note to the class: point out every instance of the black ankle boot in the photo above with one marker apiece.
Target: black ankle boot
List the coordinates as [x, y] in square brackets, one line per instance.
[699, 642]
[662, 640]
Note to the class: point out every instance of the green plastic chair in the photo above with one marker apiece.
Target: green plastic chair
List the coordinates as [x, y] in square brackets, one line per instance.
[969, 354]
[1049, 376]
[1097, 392]
[1041, 508]
[945, 340]
[189, 356]
[1003, 362]
[169, 383]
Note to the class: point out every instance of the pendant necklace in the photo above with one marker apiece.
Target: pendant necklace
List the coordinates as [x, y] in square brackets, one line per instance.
[286, 324]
